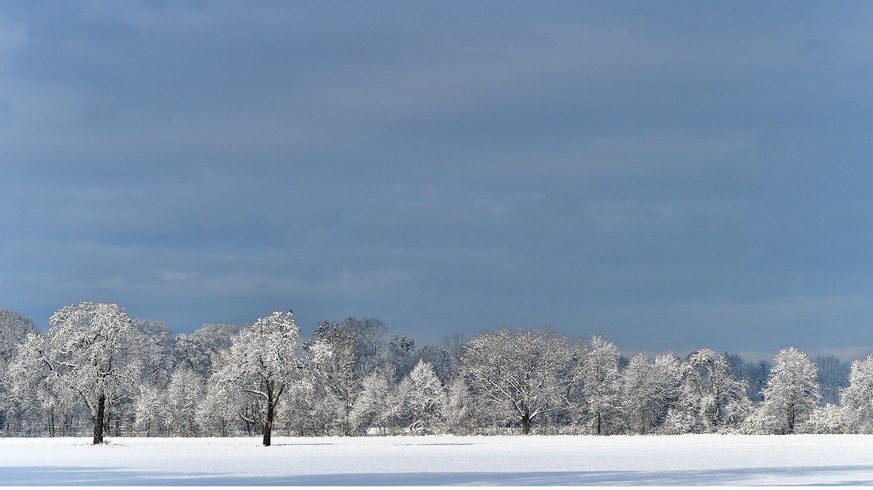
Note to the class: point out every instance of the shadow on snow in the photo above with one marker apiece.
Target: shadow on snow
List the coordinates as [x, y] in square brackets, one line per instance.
[91, 476]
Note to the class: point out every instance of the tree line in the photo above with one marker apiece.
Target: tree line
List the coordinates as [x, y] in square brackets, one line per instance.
[98, 371]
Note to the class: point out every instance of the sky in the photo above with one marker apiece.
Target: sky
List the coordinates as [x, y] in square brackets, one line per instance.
[669, 175]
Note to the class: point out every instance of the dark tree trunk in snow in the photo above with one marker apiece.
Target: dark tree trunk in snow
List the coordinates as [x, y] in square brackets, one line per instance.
[98, 419]
[525, 424]
[268, 423]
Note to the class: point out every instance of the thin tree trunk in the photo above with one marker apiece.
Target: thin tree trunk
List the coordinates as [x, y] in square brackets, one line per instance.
[51, 422]
[525, 424]
[98, 419]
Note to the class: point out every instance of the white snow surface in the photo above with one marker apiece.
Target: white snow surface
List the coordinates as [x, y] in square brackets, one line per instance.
[443, 460]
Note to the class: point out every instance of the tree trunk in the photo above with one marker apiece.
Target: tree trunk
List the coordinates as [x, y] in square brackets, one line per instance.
[525, 423]
[51, 422]
[268, 424]
[98, 419]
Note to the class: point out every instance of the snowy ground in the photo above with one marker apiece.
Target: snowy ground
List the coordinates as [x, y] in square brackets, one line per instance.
[511, 460]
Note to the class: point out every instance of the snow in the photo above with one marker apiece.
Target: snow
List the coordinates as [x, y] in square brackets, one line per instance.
[443, 460]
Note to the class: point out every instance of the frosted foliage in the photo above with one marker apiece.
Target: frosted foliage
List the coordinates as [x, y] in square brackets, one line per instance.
[522, 373]
[439, 358]
[650, 389]
[196, 349]
[602, 385]
[263, 355]
[263, 360]
[710, 399]
[333, 354]
[155, 346]
[792, 392]
[219, 412]
[858, 396]
[376, 407]
[184, 393]
[13, 329]
[761, 420]
[151, 413]
[89, 350]
[423, 400]
[91, 355]
[399, 353]
[97, 366]
[369, 335]
[32, 379]
[301, 408]
[462, 412]
[829, 419]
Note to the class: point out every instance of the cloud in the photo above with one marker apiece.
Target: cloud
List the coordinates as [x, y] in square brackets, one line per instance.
[660, 175]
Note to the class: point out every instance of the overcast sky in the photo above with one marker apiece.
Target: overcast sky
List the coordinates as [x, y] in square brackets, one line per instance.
[670, 175]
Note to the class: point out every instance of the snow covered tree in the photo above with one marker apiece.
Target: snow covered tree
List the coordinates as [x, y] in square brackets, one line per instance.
[89, 351]
[638, 393]
[263, 360]
[156, 344]
[14, 328]
[710, 397]
[423, 400]
[792, 392]
[601, 385]
[301, 411]
[399, 353]
[829, 419]
[196, 349]
[377, 406]
[221, 410]
[439, 359]
[462, 410]
[369, 335]
[524, 371]
[337, 374]
[151, 412]
[34, 386]
[184, 393]
[858, 396]
[650, 389]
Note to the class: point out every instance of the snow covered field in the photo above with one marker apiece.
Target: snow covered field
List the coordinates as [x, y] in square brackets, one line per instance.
[445, 460]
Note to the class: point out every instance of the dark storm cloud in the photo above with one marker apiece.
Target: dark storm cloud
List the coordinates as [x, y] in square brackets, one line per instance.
[671, 174]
